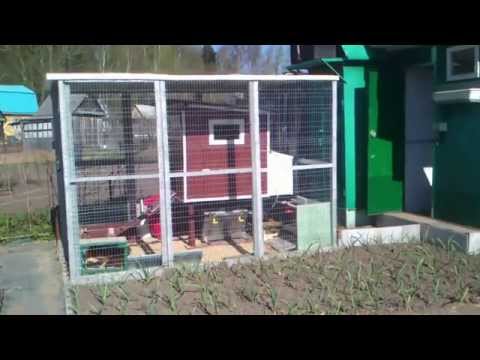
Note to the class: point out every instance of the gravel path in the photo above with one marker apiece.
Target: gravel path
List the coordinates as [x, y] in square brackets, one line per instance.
[31, 280]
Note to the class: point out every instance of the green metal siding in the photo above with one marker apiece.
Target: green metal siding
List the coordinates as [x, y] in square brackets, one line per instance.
[457, 176]
[456, 189]
[371, 170]
[354, 103]
[386, 140]
[356, 52]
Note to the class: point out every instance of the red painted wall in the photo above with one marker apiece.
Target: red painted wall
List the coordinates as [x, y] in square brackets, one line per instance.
[201, 156]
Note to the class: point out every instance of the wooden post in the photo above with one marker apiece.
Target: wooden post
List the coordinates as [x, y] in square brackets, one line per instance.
[256, 170]
[164, 173]
[192, 233]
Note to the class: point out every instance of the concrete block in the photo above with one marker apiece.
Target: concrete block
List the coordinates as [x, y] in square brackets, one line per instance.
[377, 236]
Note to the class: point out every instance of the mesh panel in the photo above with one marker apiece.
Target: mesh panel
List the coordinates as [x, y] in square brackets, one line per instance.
[212, 161]
[114, 130]
[116, 211]
[298, 212]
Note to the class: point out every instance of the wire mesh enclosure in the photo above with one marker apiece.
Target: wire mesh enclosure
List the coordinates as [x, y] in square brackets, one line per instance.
[156, 170]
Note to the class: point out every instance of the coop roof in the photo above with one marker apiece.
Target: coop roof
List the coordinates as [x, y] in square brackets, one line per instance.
[17, 100]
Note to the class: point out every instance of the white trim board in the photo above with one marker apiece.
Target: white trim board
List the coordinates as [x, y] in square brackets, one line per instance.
[219, 122]
[457, 96]
[156, 77]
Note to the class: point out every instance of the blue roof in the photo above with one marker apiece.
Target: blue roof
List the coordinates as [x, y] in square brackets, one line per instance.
[17, 100]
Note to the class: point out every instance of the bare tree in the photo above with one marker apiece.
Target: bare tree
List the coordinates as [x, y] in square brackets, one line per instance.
[209, 58]
[240, 58]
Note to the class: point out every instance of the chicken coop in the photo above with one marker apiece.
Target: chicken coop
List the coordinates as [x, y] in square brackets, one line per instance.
[156, 170]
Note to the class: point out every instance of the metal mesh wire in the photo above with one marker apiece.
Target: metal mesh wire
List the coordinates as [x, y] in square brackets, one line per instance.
[114, 130]
[300, 164]
[301, 116]
[116, 178]
[209, 124]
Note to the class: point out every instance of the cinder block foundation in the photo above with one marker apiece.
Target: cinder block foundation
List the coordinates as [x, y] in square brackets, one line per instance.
[463, 238]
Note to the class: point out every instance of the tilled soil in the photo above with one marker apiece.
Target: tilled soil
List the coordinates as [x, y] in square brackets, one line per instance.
[382, 280]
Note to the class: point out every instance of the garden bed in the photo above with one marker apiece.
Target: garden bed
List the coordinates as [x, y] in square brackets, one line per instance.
[397, 279]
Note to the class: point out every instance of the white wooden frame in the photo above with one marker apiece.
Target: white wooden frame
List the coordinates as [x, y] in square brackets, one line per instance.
[257, 205]
[113, 77]
[164, 173]
[211, 133]
[69, 187]
[475, 74]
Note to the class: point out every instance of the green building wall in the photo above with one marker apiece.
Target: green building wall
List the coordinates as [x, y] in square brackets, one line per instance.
[457, 174]
[354, 119]
[456, 188]
[371, 173]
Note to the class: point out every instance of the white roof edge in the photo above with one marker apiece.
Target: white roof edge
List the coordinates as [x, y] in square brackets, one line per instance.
[153, 77]
[457, 96]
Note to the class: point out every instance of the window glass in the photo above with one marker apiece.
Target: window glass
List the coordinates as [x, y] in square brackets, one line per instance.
[463, 61]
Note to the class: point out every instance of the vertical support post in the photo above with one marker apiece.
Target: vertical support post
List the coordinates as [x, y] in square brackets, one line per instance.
[192, 233]
[128, 140]
[256, 169]
[334, 162]
[69, 189]
[164, 173]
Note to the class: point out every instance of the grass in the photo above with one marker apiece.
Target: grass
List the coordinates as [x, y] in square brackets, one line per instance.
[36, 226]
[406, 278]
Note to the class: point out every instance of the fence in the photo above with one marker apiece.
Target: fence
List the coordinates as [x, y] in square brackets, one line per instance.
[193, 168]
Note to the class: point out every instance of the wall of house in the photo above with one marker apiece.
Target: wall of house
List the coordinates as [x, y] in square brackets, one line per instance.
[456, 193]
[385, 134]
[457, 176]
[441, 83]
[370, 171]
[371, 168]
[355, 113]
[201, 155]
[419, 141]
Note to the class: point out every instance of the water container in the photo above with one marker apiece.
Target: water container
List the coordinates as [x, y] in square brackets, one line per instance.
[153, 217]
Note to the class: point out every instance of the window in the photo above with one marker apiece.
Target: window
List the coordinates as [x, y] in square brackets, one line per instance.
[463, 62]
[221, 132]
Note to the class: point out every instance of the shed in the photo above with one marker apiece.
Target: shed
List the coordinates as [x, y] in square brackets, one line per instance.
[17, 100]
[37, 131]
[409, 132]
[208, 138]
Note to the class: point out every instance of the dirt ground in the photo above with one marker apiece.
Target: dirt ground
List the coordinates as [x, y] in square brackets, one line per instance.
[26, 181]
[412, 279]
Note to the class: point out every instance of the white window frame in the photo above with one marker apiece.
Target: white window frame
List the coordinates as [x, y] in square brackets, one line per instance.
[213, 122]
[473, 75]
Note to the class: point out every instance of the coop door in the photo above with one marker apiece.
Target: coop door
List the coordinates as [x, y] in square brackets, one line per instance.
[385, 141]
